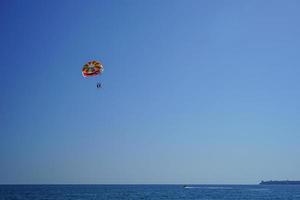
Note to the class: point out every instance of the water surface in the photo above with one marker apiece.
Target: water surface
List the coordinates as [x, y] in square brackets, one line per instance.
[155, 192]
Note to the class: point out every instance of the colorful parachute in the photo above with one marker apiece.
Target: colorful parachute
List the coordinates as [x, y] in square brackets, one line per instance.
[92, 68]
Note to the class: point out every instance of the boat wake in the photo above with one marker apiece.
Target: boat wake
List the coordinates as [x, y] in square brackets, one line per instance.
[208, 187]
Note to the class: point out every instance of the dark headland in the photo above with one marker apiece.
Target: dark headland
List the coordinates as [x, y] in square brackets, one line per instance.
[280, 182]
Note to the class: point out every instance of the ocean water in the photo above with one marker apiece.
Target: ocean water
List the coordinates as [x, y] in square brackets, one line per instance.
[147, 192]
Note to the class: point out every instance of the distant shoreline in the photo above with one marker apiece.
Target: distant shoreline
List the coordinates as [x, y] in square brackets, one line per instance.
[287, 182]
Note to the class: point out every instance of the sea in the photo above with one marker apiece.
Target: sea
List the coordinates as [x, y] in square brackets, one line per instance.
[149, 192]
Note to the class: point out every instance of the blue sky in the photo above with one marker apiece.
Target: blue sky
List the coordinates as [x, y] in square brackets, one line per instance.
[193, 91]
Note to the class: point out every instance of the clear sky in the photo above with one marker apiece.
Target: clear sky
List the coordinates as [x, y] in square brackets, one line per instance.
[193, 91]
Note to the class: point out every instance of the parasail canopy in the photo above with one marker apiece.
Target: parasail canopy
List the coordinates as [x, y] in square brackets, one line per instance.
[92, 68]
